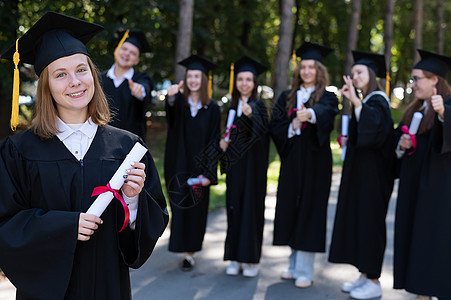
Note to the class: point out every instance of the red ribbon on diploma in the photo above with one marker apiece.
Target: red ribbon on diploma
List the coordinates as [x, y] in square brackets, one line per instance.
[413, 139]
[304, 124]
[103, 189]
[226, 134]
[339, 140]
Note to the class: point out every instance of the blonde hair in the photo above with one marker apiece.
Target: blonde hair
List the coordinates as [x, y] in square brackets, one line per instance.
[44, 123]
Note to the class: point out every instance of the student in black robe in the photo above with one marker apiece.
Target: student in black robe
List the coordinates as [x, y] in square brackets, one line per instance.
[423, 223]
[245, 161]
[359, 234]
[49, 248]
[191, 151]
[306, 162]
[127, 90]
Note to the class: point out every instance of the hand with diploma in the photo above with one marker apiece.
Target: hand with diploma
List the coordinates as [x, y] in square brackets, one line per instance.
[134, 180]
[87, 224]
[223, 144]
[204, 180]
[348, 91]
[304, 114]
[136, 89]
[405, 142]
[246, 108]
[437, 104]
[175, 88]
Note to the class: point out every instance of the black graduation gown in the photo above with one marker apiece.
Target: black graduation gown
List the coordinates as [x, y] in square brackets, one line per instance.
[246, 164]
[191, 150]
[43, 190]
[128, 112]
[359, 234]
[305, 176]
[422, 262]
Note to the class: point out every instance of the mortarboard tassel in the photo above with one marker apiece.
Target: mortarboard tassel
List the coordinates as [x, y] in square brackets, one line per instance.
[387, 84]
[124, 37]
[232, 67]
[293, 60]
[209, 84]
[15, 104]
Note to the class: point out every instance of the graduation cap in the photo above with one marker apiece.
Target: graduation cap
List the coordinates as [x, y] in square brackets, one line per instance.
[245, 64]
[372, 60]
[53, 36]
[313, 51]
[197, 62]
[135, 37]
[433, 62]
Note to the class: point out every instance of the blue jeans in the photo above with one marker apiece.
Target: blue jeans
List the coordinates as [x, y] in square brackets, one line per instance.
[301, 263]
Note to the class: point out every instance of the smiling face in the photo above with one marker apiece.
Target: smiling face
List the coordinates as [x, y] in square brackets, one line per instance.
[127, 56]
[308, 72]
[245, 83]
[72, 87]
[422, 86]
[360, 77]
[194, 80]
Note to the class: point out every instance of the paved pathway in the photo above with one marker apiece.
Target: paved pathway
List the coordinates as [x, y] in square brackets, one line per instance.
[161, 278]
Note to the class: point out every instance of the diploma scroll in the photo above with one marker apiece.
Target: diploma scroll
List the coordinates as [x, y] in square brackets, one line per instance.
[415, 123]
[344, 133]
[230, 119]
[103, 200]
[298, 106]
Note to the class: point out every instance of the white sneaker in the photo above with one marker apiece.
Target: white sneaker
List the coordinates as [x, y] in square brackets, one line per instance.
[287, 274]
[233, 269]
[350, 285]
[367, 291]
[303, 282]
[250, 270]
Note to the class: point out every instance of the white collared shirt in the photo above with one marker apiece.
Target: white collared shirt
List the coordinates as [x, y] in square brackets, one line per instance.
[126, 76]
[193, 107]
[78, 138]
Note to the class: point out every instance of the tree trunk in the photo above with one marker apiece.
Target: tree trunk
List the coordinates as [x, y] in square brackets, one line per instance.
[418, 27]
[440, 27]
[353, 34]
[184, 33]
[388, 35]
[283, 48]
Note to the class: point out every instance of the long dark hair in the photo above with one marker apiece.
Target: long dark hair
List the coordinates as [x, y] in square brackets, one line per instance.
[236, 93]
[322, 80]
[427, 122]
[373, 84]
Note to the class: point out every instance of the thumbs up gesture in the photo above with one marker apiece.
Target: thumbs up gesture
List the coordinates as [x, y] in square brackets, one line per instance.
[175, 88]
[136, 89]
[437, 104]
[246, 108]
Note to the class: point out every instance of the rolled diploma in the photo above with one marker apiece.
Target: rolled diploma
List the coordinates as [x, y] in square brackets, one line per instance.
[298, 106]
[230, 119]
[103, 200]
[344, 131]
[415, 123]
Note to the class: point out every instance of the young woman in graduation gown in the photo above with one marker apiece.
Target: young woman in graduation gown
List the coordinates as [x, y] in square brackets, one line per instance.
[191, 151]
[306, 162]
[50, 248]
[245, 161]
[359, 234]
[423, 225]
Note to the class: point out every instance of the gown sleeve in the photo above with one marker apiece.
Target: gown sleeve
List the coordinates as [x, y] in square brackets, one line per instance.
[52, 234]
[137, 245]
[279, 123]
[325, 111]
[446, 125]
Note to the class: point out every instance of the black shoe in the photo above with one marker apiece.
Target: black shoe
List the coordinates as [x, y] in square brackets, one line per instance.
[188, 263]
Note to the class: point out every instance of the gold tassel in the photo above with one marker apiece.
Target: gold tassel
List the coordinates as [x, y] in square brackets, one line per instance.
[124, 37]
[209, 84]
[293, 60]
[16, 81]
[387, 84]
[232, 71]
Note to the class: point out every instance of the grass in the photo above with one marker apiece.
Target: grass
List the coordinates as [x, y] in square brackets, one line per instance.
[156, 138]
